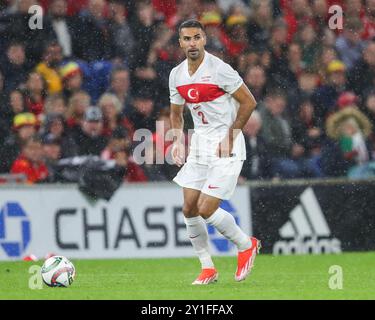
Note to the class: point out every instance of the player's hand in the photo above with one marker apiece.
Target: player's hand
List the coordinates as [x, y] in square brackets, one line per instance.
[224, 149]
[178, 153]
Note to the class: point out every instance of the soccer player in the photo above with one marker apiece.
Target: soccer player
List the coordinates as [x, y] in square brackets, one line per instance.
[220, 104]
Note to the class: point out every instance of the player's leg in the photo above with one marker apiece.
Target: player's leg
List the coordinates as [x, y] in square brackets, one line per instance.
[196, 227]
[221, 182]
[223, 221]
[198, 235]
[192, 177]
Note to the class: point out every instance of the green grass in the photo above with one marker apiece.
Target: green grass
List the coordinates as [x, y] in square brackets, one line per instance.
[281, 277]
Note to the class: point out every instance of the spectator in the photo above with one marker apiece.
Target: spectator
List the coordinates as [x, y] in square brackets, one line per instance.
[369, 20]
[295, 66]
[157, 61]
[52, 153]
[307, 134]
[324, 98]
[276, 134]
[298, 14]
[71, 76]
[54, 127]
[144, 29]
[349, 44]
[161, 150]
[328, 38]
[16, 28]
[227, 5]
[131, 47]
[320, 16]
[122, 34]
[362, 77]
[119, 86]
[167, 8]
[310, 46]
[89, 137]
[353, 9]
[186, 9]
[78, 104]
[118, 149]
[112, 117]
[14, 67]
[327, 55]
[30, 161]
[118, 141]
[278, 49]
[15, 105]
[5, 120]
[153, 171]
[212, 25]
[347, 98]
[255, 164]
[55, 104]
[369, 107]
[63, 26]
[260, 24]
[255, 79]
[369, 111]
[143, 114]
[134, 173]
[308, 82]
[349, 129]
[284, 155]
[48, 68]
[35, 93]
[237, 41]
[247, 59]
[25, 125]
[92, 29]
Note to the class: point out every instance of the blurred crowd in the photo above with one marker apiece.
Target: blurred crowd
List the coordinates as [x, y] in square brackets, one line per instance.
[98, 70]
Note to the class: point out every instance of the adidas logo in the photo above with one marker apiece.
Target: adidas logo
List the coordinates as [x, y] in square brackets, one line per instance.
[307, 230]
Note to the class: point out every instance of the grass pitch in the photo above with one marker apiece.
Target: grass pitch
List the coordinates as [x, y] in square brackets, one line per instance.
[273, 277]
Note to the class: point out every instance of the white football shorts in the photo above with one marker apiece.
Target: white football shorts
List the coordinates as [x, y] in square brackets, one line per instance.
[218, 178]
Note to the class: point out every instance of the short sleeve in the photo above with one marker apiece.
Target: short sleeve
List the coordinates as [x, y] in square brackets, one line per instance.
[174, 95]
[228, 78]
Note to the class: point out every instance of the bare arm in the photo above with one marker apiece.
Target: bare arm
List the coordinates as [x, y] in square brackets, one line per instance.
[247, 105]
[177, 121]
[177, 124]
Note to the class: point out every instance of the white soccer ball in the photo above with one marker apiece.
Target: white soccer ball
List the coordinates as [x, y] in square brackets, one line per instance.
[58, 271]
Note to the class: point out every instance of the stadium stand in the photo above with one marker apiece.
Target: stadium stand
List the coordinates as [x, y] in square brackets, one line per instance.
[315, 86]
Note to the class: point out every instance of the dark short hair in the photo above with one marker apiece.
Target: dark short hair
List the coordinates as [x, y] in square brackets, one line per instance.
[118, 69]
[15, 43]
[192, 23]
[51, 43]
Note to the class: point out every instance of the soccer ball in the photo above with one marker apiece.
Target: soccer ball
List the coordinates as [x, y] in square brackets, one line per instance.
[58, 271]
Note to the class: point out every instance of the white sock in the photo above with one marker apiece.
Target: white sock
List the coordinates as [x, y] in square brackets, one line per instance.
[224, 222]
[198, 235]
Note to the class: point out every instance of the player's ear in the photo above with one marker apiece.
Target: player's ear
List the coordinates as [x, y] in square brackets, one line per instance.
[204, 38]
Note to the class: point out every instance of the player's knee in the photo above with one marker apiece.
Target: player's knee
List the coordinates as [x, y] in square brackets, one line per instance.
[189, 210]
[204, 210]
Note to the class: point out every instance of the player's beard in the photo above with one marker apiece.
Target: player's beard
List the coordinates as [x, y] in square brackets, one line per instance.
[194, 55]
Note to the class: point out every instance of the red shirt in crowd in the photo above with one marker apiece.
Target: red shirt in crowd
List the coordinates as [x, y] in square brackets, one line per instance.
[34, 171]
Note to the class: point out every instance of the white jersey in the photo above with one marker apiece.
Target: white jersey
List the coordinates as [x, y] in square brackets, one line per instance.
[207, 93]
